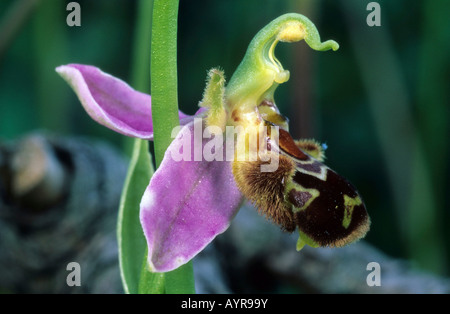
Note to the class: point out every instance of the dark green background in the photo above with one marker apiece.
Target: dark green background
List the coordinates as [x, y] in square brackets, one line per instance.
[381, 102]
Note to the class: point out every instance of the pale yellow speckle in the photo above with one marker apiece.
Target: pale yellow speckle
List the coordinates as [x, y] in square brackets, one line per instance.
[292, 32]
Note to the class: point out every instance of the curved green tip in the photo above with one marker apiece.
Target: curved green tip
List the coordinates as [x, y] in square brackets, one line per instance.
[317, 45]
[260, 72]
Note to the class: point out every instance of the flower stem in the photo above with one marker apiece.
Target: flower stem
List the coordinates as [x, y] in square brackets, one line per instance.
[163, 77]
[163, 74]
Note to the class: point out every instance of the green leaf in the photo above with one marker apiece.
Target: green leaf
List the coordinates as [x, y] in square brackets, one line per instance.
[151, 283]
[180, 280]
[131, 240]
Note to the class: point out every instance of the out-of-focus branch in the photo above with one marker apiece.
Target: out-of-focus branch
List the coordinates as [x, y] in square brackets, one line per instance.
[345, 271]
[40, 233]
[37, 176]
[59, 198]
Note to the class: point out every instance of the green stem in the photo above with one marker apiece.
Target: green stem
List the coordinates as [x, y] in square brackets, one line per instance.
[163, 75]
[164, 92]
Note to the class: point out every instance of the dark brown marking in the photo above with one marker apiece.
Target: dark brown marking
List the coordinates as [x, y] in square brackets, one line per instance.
[310, 147]
[315, 167]
[267, 103]
[234, 116]
[298, 198]
[322, 220]
[288, 145]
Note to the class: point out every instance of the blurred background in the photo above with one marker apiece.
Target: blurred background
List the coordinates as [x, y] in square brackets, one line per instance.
[380, 103]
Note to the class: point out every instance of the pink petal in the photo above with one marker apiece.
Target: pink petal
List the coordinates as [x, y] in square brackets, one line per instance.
[186, 205]
[110, 101]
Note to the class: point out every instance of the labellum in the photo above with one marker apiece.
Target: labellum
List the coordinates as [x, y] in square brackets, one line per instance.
[303, 192]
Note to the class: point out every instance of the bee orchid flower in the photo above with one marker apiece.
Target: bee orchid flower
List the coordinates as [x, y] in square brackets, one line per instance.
[199, 186]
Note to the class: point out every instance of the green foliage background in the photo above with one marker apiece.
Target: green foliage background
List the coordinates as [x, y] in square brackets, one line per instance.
[381, 102]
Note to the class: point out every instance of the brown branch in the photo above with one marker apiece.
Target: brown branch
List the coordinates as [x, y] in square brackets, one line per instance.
[58, 204]
[251, 256]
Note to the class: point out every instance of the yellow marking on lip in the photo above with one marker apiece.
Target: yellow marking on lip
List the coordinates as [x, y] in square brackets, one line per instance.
[297, 187]
[349, 203]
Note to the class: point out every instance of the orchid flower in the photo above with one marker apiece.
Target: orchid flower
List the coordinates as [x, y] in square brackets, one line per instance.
[190, 200]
